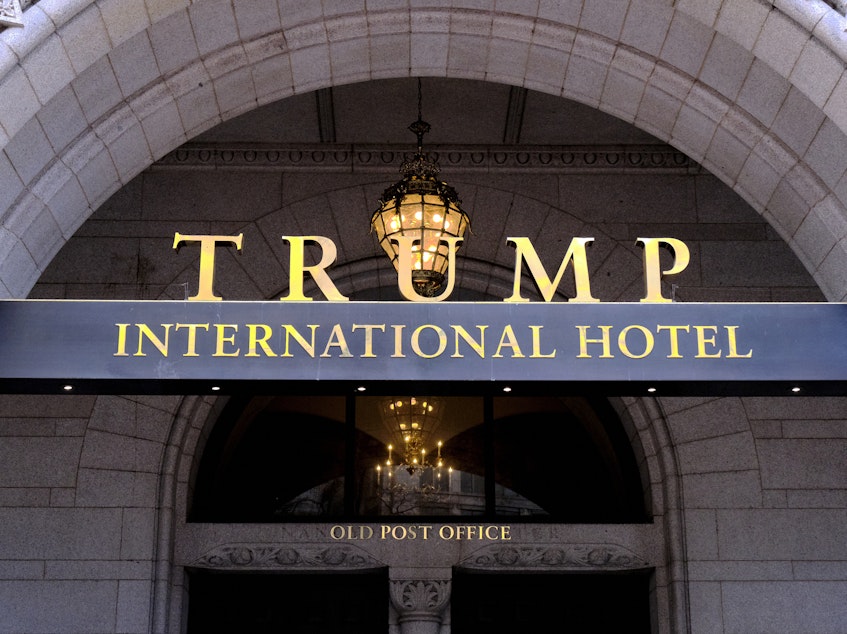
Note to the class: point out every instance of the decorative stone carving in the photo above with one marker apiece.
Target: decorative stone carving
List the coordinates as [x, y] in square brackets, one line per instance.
[419, 604]
[348, 158]
[288, 557]
[420, 596]
[554, 557]
[11, 13]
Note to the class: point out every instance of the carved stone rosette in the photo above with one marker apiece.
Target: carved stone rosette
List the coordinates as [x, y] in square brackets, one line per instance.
[288, 557]
[419, 604]
[555, 557]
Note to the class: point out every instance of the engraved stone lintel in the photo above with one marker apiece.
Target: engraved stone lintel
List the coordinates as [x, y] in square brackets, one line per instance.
[560, 557]
[11, 13]
[286, 557]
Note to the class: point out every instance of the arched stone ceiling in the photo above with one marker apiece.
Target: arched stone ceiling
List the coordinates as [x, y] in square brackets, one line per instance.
[93, 92]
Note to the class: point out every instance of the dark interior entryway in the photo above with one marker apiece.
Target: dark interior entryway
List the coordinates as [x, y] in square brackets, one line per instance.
[292, 603]
[573, 603]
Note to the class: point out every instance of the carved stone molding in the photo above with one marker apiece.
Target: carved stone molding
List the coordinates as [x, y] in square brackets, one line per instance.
[418, 600]
[11, 13]
[288, 557]
[365, 158]
[600, 557]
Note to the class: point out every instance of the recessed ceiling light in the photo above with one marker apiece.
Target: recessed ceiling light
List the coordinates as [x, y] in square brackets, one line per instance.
[795, 389]
[68, 388]
[216, 388]
[361, 388]
[651, 389]
[507, 389]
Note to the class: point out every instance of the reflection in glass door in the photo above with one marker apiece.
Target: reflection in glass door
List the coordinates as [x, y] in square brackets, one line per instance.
[328, 458]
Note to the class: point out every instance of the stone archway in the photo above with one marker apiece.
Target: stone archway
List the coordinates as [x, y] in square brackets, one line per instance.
[285, 548]
[101, 92]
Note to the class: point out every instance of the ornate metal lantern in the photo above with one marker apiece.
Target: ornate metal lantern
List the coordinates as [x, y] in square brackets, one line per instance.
[424, 208]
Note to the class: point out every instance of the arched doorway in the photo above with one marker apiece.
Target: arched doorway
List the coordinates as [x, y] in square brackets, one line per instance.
[517, 463]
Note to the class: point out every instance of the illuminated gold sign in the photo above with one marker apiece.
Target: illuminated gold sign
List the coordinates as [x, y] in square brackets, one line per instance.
[583, 342]
[426, 341]
[524, 254]
[154, 345]
[423, 532]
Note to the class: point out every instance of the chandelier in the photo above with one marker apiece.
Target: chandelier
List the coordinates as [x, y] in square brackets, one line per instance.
[412, 421]
[425, 209]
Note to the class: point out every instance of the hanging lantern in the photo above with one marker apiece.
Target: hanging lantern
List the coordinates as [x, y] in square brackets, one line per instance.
[425, 209]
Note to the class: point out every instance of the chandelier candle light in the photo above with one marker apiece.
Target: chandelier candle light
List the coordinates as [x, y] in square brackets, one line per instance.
[413, 420]
[422, 208]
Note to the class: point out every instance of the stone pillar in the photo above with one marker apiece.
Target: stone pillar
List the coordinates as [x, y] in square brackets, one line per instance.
[420, 604]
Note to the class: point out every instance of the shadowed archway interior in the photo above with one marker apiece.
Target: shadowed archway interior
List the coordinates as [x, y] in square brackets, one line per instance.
[548, 459]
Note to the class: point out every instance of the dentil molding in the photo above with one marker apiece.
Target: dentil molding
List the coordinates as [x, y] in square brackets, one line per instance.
[338, 158]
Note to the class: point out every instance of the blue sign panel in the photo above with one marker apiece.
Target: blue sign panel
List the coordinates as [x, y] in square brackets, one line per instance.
[167, 346]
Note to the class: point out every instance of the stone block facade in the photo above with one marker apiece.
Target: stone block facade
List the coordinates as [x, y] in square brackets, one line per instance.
[720, 123]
